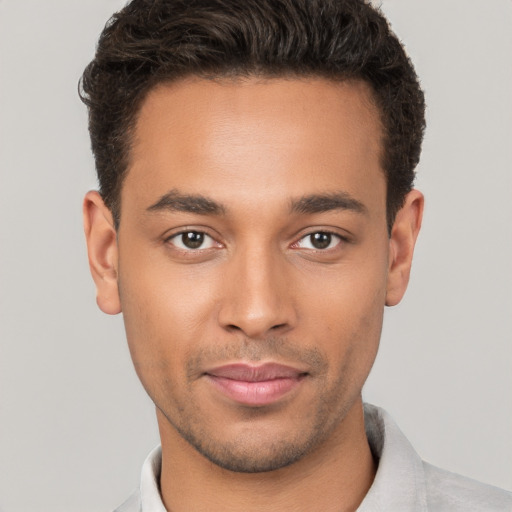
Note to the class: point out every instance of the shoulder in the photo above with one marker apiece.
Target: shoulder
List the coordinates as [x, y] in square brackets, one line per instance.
[132, 504]
[450, 492]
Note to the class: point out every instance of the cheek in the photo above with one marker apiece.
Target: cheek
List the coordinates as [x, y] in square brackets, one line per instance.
[352, 345]
[350, 293]
[165, 311]
[345, 311]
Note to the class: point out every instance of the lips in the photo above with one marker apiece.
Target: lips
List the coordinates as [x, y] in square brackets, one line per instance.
[255, 385]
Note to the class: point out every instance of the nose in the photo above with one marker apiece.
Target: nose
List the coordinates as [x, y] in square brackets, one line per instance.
[258, 296]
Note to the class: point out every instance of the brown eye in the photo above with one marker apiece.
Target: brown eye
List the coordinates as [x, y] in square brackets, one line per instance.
[319, 241]
[192, 241]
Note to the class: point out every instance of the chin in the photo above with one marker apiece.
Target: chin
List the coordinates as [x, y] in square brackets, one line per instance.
[255, 448]
[250, 457]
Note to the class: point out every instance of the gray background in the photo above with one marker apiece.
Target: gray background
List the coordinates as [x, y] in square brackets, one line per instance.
[75, 425]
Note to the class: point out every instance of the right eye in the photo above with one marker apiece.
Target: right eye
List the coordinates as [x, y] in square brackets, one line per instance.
[192, 241]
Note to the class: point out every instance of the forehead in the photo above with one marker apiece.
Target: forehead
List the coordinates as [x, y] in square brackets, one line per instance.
[255, 136]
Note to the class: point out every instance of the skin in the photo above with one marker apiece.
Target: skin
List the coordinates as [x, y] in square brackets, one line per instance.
[257, 290]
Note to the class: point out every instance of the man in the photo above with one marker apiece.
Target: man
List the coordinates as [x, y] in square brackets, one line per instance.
[256, 213]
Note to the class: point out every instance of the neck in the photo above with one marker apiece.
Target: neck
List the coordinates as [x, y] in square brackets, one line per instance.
[334, 477]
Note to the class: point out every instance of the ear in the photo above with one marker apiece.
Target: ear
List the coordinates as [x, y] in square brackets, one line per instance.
[401, 246]
[101, 240]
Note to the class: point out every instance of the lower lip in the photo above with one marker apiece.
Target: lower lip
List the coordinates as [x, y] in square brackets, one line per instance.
[255, 393]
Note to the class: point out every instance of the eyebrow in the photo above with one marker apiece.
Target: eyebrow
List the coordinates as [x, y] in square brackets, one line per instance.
[319, 203]
[188, 203]
[176, 201]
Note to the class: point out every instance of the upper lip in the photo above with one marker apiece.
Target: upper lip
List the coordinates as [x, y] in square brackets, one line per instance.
[249, 373]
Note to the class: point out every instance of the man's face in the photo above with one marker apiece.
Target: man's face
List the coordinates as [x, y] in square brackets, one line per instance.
[253, 262]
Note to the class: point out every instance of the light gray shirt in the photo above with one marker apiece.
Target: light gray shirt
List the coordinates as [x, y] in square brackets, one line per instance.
[403, 483]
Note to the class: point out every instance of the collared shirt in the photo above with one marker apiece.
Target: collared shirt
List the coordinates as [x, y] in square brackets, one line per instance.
[403, 482]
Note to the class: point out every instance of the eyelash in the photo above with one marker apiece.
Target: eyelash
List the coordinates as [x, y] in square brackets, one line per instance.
[182, 234]
[340, 239]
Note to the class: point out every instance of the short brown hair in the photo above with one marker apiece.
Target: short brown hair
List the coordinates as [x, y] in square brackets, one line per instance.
[152, 41]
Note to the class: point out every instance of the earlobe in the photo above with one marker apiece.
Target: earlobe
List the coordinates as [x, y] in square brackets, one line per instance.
[401, 246]
[102, 251]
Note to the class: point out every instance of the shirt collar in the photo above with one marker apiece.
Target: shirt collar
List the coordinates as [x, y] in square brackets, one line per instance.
[398, 485]
[150, 498]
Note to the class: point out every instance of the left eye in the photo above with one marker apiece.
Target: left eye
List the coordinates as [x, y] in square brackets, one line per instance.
[192, 240]
[320, 240]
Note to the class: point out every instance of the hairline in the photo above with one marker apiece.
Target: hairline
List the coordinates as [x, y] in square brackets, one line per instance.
[238, 76]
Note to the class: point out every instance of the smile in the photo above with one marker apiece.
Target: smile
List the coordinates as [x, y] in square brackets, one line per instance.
[255, 385]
